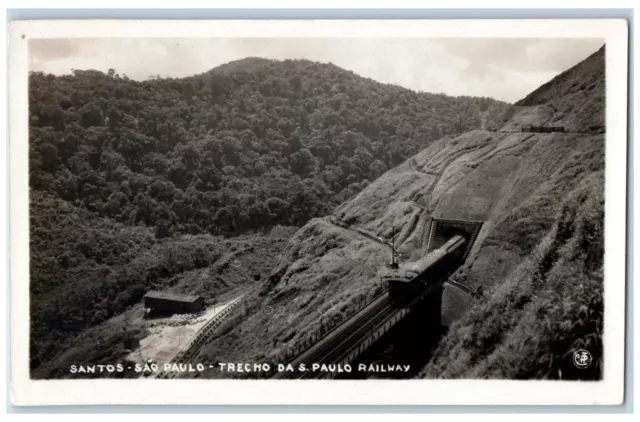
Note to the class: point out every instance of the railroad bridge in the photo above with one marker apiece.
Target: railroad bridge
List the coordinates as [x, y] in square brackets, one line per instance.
[410, 288]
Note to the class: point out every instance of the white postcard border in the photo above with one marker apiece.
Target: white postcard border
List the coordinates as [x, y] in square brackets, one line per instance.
[25, 391]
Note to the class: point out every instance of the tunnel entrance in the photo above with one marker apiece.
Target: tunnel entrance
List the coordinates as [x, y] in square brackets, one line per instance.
[442, 230]
[412, 342]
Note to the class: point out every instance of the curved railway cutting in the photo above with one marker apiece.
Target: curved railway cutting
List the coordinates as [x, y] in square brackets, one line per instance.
[342, 226]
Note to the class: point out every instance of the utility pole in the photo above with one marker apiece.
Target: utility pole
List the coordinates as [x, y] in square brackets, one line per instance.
[394, 263]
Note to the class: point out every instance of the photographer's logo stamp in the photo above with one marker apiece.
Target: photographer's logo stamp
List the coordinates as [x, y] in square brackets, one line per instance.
[582, 359]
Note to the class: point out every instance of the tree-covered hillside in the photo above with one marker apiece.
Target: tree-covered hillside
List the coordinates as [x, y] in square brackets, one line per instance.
[247, 145]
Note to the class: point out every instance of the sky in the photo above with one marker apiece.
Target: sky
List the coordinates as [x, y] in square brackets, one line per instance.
[503, 68]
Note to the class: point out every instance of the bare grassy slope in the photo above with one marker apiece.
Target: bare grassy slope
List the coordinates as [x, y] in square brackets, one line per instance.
[517, 183]
[548, 307]
[577, 96]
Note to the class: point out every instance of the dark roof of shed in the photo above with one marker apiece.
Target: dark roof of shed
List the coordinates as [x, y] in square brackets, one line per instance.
[171, 296]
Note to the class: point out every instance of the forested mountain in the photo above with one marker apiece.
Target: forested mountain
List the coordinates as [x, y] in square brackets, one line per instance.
[250, 144]
[122, 172]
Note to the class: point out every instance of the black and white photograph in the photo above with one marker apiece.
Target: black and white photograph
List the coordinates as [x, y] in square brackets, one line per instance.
[352, 209]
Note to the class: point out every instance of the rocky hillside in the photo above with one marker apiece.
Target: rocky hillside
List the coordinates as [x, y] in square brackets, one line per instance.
[538, 256]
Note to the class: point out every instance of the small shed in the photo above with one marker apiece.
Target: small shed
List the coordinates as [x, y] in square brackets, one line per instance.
[173, 303]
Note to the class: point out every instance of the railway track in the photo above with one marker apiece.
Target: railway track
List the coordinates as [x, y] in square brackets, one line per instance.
[193, 347]
[342, 346]
[345, 334]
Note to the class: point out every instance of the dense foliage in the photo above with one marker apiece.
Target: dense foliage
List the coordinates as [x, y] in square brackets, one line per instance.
[249, 145]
